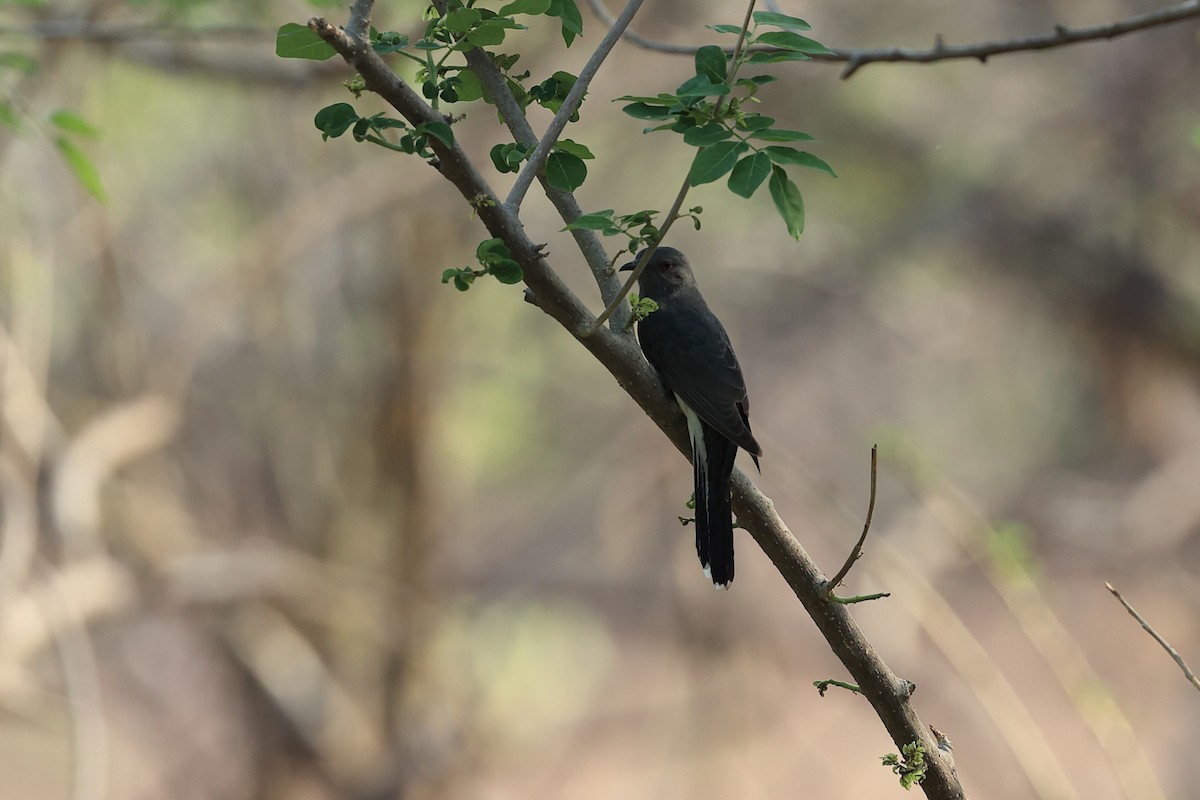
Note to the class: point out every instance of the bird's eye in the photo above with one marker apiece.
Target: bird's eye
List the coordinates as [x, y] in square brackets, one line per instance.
[665, 266]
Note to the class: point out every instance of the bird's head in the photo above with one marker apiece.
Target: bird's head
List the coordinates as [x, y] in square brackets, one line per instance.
[667, 271]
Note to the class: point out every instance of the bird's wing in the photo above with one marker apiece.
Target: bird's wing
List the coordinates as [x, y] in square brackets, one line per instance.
[692, 353]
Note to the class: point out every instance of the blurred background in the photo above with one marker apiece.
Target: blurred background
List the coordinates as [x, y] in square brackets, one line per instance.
[282, 516]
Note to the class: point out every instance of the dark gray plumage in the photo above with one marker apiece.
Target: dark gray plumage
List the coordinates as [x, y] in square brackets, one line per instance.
[687, 345]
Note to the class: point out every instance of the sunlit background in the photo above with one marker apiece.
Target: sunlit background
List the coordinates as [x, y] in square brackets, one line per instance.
[282, 516]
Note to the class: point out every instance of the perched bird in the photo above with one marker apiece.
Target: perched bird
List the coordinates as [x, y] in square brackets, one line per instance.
[688, 347]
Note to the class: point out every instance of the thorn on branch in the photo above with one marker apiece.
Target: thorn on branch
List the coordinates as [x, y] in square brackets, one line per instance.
[943, 741]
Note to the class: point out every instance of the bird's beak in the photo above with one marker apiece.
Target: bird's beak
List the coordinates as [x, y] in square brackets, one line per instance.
[628, 267]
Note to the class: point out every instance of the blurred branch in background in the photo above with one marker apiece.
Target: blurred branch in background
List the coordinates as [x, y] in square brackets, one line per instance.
[856, 59]
[1171, 651]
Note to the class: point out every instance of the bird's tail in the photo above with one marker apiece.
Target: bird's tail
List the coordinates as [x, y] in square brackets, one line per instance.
[712, 459]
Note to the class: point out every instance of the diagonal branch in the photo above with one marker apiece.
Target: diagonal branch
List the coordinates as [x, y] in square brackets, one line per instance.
[360, 19]
[620, 355]
[856, 59]
[574, 97]
[1171, 651]
[496, 89]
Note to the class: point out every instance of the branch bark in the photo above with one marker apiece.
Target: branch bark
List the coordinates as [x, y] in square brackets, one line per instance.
[888, 694]
[856, 59]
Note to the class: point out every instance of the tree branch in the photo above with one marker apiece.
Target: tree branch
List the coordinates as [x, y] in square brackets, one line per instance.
[620, 355]
[673, 213]
[360, 19]
[856, 59]
[856, 552]
[615, 303]
[496, 89]
[1171, 651]
[574, 97]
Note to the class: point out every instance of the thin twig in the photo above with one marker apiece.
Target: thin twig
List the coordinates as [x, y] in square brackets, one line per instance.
[856, 553]
[673, 213]
[574, 98]
[615, 303]
[1171, 651]
[589, 243]
[823, 686]
[88, 30]
[1061, 36]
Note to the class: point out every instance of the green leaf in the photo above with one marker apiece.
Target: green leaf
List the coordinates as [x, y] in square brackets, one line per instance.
[765, 57]
[82, 167]
[461, 20]
[574, 148]
[595, 221]
[646, 111]
[701, 86]
[298, 41]
[9, 117]
[524, 7]
[19, 62]
[332, 121]
[710, 62]
[490, 250]
[749, 174]
[781, 135]
[704, 135]
[791, 41]
[788, 201]
[714, 161]
[756, 122]
[781, 21]
[790, 155]
[69, 121]
[438, 130]
[514, 154]
[572, 20]
[498, 159]
[489, 34]
[389, 42]
[469, 88]
[506, 271]
[565, 171]
[725, 28]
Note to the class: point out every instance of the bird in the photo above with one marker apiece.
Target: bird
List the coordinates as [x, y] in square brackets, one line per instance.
[688, 347]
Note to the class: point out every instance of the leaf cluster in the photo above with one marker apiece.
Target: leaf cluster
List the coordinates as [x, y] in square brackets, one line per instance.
[564, 166]
[640, 308]
[909, 765]
[638, 227]
[64, 128]
[333, 121]
[712, 111]
[494, 258]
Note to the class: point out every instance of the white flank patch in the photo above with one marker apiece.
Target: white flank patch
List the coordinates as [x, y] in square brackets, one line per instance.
[696, 430]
